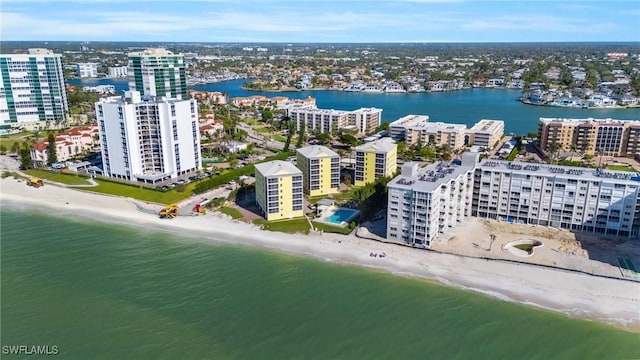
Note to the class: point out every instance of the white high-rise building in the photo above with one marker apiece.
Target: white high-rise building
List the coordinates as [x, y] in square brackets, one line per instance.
[87, 70]
[425, 202]
[579, 199]
[32, 87]
[117, 71]
[148, 139]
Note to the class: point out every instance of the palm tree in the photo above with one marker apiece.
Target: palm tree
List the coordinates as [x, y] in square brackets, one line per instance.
[553, 150]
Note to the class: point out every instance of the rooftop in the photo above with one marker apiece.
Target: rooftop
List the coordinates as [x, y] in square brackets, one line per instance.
[383, 145]
[588, 120]
[316, 151]
[437, 126]
[277, 167]
[432, 176]
[556, 170]
[486, 125]
[154, 52]
[410, 120]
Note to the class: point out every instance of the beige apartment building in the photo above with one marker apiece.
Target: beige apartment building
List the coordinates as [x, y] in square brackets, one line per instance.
[437, 134]
[417, 128]
[486, 133]
[364, 120]
[590, 136]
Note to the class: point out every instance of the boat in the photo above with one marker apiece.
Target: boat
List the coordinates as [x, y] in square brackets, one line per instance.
[354, 87]
[371, 88]
[394, 87]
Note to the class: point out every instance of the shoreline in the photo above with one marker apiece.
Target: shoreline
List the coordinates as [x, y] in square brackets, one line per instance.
[610, 301]
[617, 107]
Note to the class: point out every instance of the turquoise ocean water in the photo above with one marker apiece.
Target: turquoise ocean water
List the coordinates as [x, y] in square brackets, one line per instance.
[100, 290]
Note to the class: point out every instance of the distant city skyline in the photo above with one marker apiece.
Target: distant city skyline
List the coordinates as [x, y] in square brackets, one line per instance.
[327, 21]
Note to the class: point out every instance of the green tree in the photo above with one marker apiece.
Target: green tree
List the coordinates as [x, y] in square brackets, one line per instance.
[240, 135]
[52, 155]
[553, 149]
[301, 135]
[287, 142]
[383, 126]
[324, 138]
[15, 148]
[25, 159]
[3, 149]
[347, 180]
[267, 115]
[348, 139]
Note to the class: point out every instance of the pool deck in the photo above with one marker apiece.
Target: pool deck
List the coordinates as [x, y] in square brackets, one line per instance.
[327, 213]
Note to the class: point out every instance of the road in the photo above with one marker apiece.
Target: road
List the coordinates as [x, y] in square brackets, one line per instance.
[258, 138]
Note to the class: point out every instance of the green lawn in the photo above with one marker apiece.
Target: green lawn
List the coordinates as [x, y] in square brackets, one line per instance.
[299, 225]
[8, 143]
[140, 193]
[119, 189]
[9, 140]
[621, 168]
[234, 213]
[69, 179]
[250, 121]
[279, 138]
[331, 229]
[262, 130]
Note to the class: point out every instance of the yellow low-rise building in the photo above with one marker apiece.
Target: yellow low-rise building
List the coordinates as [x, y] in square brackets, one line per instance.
[320, 168]
[374, 160]
[279, 190]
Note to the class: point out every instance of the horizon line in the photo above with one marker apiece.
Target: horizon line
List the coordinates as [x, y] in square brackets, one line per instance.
[322, 42]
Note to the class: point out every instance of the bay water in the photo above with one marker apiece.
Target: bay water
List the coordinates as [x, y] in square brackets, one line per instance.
[461, 107]
[99, 290]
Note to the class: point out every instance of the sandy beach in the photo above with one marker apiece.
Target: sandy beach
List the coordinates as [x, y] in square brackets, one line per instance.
[602, 299]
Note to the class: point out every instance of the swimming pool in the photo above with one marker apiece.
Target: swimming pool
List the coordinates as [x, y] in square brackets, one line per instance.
[341, 215]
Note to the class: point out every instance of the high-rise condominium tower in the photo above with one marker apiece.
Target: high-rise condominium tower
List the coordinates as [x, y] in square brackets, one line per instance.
[32, 87]
[158, 72]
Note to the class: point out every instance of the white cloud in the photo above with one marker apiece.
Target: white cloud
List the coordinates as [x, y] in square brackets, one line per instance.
[540, 23]
[129, 24]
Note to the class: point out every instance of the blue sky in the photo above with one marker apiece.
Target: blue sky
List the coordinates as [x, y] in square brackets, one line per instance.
[320, 21]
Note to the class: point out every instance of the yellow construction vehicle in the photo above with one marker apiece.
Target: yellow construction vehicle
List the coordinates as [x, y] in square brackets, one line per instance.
[169, 212]
[35, 182]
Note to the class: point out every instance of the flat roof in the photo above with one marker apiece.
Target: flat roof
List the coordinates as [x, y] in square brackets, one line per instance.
[409, 119]
[434, 175]
[578, 173]
[486, 125]
[437, 126]
[587, 120]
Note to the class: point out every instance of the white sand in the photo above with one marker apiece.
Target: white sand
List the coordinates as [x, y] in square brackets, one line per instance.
[579, 295]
